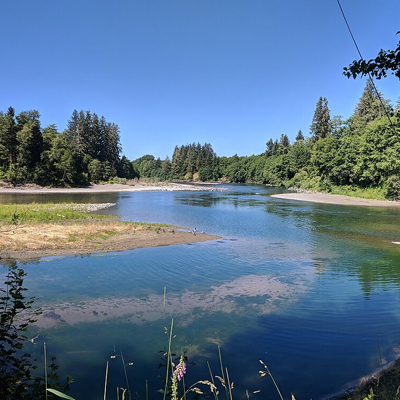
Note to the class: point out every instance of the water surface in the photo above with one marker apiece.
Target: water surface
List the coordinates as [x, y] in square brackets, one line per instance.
[310, 289]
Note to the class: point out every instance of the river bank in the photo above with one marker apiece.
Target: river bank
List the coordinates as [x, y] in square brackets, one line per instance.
[338, 199]
[131, 186]
[33, 242]
[35, 231]
[383, 384]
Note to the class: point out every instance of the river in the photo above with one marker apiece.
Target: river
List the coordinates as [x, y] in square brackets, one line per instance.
[313, 290]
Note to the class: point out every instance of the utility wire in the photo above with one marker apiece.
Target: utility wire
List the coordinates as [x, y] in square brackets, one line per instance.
[369, 75]
[348, 27]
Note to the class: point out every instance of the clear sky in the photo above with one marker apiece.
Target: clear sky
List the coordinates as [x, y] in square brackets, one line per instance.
[232, 73]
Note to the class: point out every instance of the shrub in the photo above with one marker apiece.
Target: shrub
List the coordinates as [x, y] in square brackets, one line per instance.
[392, 188]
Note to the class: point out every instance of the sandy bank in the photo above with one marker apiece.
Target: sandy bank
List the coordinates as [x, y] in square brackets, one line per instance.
[33, 243]
[327, 198]
[107, 188]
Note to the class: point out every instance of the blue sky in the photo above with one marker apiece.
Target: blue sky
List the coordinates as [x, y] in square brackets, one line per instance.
[232, 73]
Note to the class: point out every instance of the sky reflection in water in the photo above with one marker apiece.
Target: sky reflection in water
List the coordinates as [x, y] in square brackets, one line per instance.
[306, 287]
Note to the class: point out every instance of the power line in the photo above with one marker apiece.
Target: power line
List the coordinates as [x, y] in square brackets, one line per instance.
[348, 27]
[369, 75]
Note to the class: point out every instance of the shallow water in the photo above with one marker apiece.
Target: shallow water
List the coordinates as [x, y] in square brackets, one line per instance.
[310, 289]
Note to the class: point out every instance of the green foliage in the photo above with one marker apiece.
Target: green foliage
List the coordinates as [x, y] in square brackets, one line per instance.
[15, 317]
[386, 61]
[362, 151]
[354, 191]
[369, 107]
[95, 170]
[299, 179]
[321, 124]
[187, 160]
[47, 157]
[125, 168]
[118, 180]
[298, 158]
[17, 378]
[392, 188]
[8, 138]
[45, 212]
[60, 394]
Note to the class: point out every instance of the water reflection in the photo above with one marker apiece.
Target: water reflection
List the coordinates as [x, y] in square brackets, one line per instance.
[357, 240]
[304, 286]
[263, 294]
[11, 198]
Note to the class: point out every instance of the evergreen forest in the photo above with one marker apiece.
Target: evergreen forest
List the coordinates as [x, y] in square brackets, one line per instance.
[361, 152]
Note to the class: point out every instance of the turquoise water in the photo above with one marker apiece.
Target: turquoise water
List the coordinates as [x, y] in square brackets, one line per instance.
[310, 289]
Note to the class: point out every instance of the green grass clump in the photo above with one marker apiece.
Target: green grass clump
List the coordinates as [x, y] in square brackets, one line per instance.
[45, 212]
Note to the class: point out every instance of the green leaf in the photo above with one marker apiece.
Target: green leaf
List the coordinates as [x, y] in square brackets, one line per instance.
[59, 394]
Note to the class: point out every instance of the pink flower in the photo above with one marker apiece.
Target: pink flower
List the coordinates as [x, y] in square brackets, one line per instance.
[180, 369]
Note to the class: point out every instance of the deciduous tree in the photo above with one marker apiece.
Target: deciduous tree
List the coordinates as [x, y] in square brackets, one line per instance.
[378, 67]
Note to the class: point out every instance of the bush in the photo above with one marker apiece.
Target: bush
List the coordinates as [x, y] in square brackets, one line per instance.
[118, 180]
[392, 188]
[298, 179]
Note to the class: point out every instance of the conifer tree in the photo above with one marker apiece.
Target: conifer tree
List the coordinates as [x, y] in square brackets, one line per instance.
[176, 162]
[299, 136]
[272, 148]
[72, 126]
[30, 144]
[29, 139]
[321, 123]
[8, 138]
[166, 168]
[369, 106]
[284, 140]
[397, 109]
[94, 140]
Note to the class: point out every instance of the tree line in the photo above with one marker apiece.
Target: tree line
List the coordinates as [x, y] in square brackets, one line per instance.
[88, 150]
[361, 151]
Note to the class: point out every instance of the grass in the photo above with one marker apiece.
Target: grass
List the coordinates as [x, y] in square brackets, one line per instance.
[300, 181]
[45, 212]
[370, 193]
[49, 226]
[363, 193]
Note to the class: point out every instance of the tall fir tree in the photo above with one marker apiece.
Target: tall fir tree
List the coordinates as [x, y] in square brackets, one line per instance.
[8, 138]
[299, 136]
[369, 106]
[72, 127]
[176, 162]
[30, 144]
[321, 124]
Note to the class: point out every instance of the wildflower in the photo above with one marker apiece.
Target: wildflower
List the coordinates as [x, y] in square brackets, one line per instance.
[180, 370]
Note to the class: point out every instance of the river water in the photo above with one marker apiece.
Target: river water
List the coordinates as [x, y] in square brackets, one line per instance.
[313, 290]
